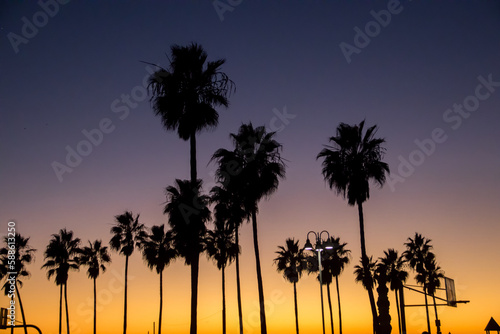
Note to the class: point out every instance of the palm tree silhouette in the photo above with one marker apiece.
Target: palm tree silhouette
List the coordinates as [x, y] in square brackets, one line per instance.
[95, 257]
[433, 274]
[158, 252]
[61, 256]
[222, 248]
[291, 261]
[382, 278]
[336, 260]
[364, 274]
[127, 233]
[348, 166]
[230, 206]
[396, 276]
[188, 214]
[257, 167]
[418, 251]
[184, 94]
[16, 263]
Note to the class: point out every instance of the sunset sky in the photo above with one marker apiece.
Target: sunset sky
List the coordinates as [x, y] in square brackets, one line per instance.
[427, 73]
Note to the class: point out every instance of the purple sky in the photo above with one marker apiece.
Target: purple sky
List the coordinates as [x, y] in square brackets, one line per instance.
[80, 68]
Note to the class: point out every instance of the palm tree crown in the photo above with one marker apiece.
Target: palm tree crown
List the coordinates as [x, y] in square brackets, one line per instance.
[291, 260]
[94, 256]
[354, 160]
[126, 233]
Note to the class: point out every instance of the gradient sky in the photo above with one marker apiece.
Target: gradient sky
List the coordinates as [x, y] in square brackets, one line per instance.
[74, 73]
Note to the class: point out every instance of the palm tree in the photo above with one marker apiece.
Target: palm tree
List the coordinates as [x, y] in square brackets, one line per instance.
[418, 251]
[61, 256]
[185, 94]
[433, 275]
[127, 233]
[16, 261]
[229, 207]
[364, 274]
[258, 167]
[222, 248]
[382, 278]
[336, 261]
[291, 261]
[349, 165]
[188, 214]
[396, 276]
[158, 252]
[95, 257]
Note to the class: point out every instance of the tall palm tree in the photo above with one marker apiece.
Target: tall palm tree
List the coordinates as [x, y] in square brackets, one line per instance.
[186, 93]
[291, 261]
[418, 251]
[229, 207]
[433, 275]
[222, 248]
[158, 252]
[258, 167]
[95, 257]
[383, 304]
[396, 276]
[349, 165]
[127, 233]
[16, 261]
[188, 214]
[364, 274]
[61, 256]
[336, 261]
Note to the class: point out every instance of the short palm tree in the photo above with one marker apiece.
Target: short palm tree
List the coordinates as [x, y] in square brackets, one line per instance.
[291, 261]
[17, 262]
[222, 248]
[186, 93]
[188, 214]
[430, 279]
[365, 274]
[95, 256]
[127, 234]
[418, 251]
[336, 261]
[158, 252]
[349, 165]
[257, 169]
[397, 276]
[229, 207]
[61, 256]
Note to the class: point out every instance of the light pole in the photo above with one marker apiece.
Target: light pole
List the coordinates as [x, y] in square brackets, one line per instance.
[319, 247]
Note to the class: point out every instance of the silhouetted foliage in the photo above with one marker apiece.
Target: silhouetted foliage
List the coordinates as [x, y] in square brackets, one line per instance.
[349, 165]
[61, 256]
[127, 234]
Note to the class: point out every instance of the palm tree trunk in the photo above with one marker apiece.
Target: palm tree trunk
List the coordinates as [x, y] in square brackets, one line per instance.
[438, 324]
[263, 326]
[238, 285]
[125, 298]
[66, 302]
[194, 293]
[22, 309]
[95, 306]
[397, 308]
[365, 258]
[330, 306]
[60, 307]
[338, 297]
[403, 312]
[223, 301]
[296, 307]
[427, 310]
[192, 153]
[161, 302]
